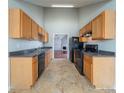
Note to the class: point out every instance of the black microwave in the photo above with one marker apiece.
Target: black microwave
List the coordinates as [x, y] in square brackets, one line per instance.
[91, 48]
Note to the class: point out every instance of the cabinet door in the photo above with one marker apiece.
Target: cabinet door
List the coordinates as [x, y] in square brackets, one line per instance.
[46, 58]
[88, 70]
[46, 37]
[40, 32]
[97, 28]
[103, 72]
[14, 23]
[84, 68]
[34, 30]
[34, 69]
[88, 67]
[82, 31]
[85, 64]
[21, 72]
[88, 27]
[25, 26]
[50, 55]
[110, 24]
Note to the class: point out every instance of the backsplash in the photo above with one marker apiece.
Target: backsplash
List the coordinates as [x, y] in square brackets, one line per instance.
[106, 45]
[16, 44]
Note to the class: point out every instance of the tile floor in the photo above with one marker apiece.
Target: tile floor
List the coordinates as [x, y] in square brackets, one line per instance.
[62, 77]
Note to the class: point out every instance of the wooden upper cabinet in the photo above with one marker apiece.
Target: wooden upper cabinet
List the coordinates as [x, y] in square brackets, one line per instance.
[40, 34]
[34, 30]
[40, 38]
[25, 26]
[46, 37]
[86, 29]
[40, 30]
[82, 31]
[103, 26]
[97, 28]
[43, 35]
[19, 24]
[14, 23]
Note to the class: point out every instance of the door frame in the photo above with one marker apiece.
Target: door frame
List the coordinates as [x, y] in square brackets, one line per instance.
[67, 44]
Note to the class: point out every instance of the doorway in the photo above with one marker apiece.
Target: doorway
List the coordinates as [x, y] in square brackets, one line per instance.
[60, 46]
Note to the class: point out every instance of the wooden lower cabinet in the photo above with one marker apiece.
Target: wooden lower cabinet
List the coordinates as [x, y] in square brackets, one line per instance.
[88, 67]
[100, 71]
[24, 72]
[34, 69]
[48, 57]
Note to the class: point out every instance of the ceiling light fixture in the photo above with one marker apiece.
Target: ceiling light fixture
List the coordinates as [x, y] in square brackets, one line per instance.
[68, 6]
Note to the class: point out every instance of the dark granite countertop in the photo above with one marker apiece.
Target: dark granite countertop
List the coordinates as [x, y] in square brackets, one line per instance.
[48, 47]
[29, 52]
[101, 53]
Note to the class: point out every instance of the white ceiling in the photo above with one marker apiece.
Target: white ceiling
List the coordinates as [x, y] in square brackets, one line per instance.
[76, 3]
